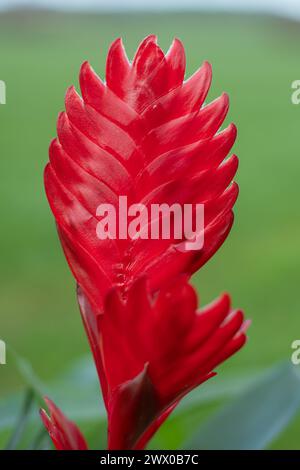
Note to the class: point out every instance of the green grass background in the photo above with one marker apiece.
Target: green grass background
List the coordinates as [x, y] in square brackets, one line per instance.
[255, 59]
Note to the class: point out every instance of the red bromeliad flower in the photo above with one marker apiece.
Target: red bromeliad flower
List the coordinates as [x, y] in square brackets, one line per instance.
[144, 134]
[150, 351]
[64, 433]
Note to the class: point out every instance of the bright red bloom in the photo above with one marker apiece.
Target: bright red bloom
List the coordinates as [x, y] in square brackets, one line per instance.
[150, 351]
[145, 134]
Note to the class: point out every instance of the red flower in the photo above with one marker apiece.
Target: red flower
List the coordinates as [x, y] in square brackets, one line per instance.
[64, 433]
[150, 351]
[144, 134]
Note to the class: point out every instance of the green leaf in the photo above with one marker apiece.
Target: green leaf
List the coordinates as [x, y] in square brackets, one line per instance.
[9, 409]
[22, 421]
[27, 373]
[220, 387]
[77, 392]
[256, 417]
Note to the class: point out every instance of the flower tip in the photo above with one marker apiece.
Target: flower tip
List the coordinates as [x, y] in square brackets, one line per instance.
[72, 100]
[43, 414]
[232, 129]
[225, 300]
[117, 44]
[225, 98]
[52, 144]
[151, 38]
[71, 91]
[45, 418]
[177, 42]
[206, 71]
[85, 67]
[48, 402]
[235, 161]
[247, 323]
[62, 119]
[235, 190]
[118, 41]
[176, 54]
[116, 56]
[207, 65]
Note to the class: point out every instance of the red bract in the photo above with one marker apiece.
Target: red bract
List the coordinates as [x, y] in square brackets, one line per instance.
[64, 433]
[150, 351]
[145, 134]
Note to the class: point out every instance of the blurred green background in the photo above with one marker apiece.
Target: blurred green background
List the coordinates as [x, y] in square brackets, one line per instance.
[255, 59]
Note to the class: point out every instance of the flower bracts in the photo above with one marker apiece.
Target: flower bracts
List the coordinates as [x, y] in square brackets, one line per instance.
[144, 134]
[153, 349]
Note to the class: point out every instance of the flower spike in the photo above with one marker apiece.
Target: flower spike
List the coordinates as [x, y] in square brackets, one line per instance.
[146, 134]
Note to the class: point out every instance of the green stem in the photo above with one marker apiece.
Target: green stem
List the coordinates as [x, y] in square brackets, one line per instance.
[21, 422]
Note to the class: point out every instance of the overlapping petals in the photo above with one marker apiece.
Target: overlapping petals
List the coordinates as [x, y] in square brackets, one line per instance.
[144, 133]
[153, 349]
[150, 351]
